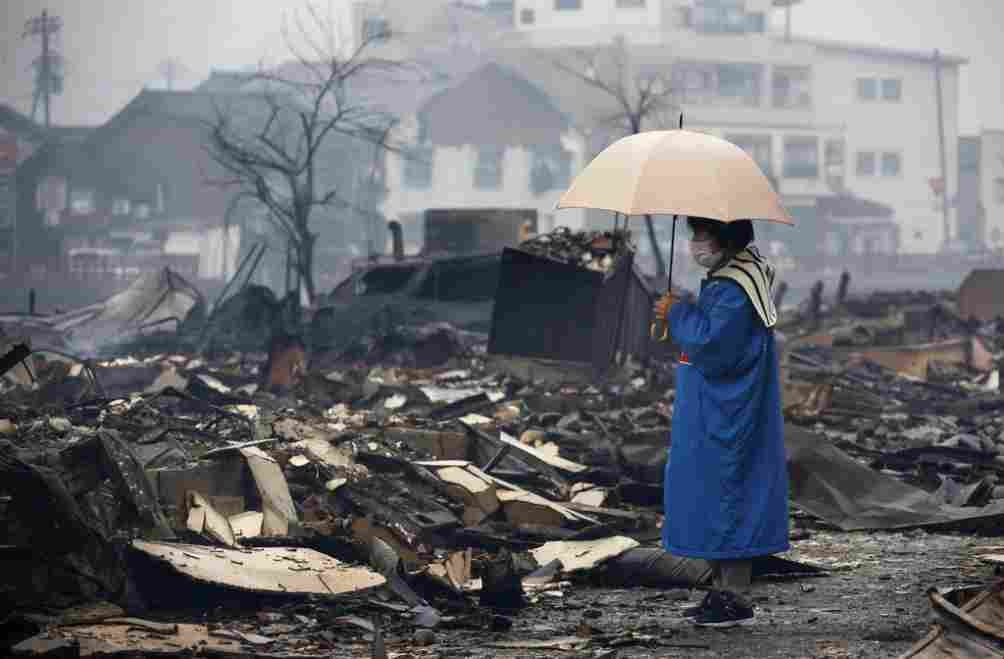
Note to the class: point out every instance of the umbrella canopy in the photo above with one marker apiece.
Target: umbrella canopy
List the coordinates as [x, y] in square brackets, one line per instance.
[676, 172]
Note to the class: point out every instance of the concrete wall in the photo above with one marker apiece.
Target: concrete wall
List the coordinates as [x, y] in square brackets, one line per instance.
[992, 185]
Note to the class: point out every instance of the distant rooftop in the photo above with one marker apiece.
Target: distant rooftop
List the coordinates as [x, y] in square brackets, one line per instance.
[869, 50]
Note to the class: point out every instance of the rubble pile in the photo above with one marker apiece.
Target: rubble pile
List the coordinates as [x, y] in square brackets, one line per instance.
[406, 489]
[598, 251]
[415, 483]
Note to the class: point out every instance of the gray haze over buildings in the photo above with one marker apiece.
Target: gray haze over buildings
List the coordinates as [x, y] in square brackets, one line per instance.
[115, 47]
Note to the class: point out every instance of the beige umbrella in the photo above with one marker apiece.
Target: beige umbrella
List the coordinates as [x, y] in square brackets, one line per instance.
[676, 172]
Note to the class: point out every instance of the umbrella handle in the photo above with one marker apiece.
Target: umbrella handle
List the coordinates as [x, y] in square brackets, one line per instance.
[653, 328]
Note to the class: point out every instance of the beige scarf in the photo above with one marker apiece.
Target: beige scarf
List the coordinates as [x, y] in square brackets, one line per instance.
[756, 277]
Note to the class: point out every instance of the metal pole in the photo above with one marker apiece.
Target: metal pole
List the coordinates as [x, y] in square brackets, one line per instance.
[46, 72]
[941, 145]
[672, 241]
[672, 253]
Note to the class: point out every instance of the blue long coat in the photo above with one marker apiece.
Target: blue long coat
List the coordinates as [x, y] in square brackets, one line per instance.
[726, 488]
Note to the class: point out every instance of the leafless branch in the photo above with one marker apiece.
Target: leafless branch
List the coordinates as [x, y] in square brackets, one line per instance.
[275, 145]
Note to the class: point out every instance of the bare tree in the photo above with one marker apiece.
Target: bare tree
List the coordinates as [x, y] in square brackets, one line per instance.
[640, 99]
[280, 138]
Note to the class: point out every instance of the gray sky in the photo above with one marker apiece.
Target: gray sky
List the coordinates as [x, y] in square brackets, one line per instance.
[114, 47]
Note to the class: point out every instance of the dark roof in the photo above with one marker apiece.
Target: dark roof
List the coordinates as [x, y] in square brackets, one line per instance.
[868, 50]
[847, 205]
[224, 81]
[492, 105]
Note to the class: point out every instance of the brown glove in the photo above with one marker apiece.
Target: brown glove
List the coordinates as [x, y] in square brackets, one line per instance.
[663, 305]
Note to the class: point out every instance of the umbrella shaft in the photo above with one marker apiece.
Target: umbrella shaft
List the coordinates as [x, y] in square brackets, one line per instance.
[672, 253]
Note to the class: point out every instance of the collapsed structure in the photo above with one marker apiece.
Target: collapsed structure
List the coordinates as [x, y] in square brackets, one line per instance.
[416, 482]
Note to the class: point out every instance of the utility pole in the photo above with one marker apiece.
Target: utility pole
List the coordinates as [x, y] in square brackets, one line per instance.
[941, 146]
[48, 67]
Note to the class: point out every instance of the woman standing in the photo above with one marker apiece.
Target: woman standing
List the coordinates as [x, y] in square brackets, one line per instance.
[726, 487]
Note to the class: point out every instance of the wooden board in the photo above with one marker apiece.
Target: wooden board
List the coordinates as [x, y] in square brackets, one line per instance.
[579, 555]
[263, 570]
[276, 501]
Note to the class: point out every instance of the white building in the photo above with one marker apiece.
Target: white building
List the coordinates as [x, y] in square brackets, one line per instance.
[849, 129]
[484, 138]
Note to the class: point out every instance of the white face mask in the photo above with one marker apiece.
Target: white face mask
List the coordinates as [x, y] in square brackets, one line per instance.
[705, 254]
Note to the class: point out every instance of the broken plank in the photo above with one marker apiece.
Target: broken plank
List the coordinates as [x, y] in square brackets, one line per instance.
[277, 502]
[473, 490]
[522, 507]
[206, 520]
[555, 461]
[583, 555]
[280, 570]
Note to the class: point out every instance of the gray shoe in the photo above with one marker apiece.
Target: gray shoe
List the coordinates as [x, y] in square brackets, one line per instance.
[725, 610]
[694, 611]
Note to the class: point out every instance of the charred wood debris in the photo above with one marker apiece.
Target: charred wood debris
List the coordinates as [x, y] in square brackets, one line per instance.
[171, 493]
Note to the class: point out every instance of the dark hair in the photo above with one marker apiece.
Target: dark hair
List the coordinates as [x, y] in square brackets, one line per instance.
[732, 236]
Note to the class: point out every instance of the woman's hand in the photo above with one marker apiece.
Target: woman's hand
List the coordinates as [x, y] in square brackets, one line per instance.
[663, 305]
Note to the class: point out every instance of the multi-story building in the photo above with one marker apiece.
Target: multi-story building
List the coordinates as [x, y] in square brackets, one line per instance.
[854, 136]
[19, 137]
[130, 196]
[485, 139]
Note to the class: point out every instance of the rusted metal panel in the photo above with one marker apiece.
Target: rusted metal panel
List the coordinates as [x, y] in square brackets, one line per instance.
[980, 295]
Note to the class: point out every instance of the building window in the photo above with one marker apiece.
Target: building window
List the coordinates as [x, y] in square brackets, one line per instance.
[81, 201]
[567, 4]
[801, 157]
[630, 4]
[791, 87]
[739, 84]
[756, 22]
[488, 171]
[551, 168]
[720, 16]
[867, 89]
[758, 148]
[969, 154]
[892, 89]
[141, 211]
[121, 207]
[999, 190]
[376, 28]
[418, 162]
[865, 163]
[708, 83]
[527, 16]
[891, 164]
[695, 82]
